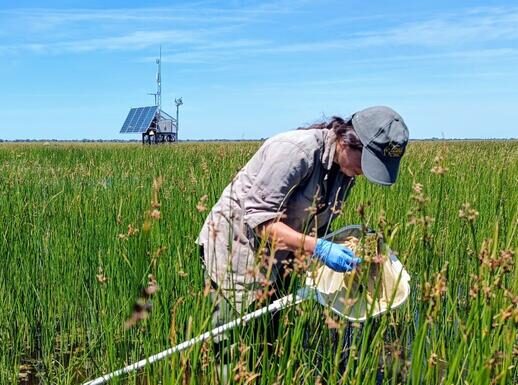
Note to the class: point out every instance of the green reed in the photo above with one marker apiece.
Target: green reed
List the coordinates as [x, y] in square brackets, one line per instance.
[82, 228]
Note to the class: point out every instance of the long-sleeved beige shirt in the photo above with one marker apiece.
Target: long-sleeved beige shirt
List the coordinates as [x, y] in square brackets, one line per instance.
[291, 178]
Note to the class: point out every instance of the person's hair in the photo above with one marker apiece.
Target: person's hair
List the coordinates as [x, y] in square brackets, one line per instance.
[343, 130]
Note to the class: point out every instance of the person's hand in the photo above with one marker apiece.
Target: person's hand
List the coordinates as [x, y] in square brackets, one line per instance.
[337, 257]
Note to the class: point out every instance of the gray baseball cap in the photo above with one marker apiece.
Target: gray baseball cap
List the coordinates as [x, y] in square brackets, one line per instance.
[384, 136]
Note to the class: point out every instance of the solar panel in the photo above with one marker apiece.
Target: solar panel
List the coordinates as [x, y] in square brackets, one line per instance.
[139, 119]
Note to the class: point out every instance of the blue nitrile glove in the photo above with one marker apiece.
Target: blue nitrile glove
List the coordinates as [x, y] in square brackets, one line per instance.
[337, 257]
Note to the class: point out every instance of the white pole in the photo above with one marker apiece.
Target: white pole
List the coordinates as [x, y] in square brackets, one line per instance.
[279, 304]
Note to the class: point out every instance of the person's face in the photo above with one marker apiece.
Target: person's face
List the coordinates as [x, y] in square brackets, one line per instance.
[349, 159]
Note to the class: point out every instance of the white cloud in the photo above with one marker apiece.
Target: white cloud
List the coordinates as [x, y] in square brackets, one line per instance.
[192, 13]
[469, 27]
[204, 33]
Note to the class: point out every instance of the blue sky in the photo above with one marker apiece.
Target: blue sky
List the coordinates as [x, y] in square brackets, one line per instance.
[250, 69]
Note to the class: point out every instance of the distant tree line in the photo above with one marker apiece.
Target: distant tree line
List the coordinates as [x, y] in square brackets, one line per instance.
[205, 140]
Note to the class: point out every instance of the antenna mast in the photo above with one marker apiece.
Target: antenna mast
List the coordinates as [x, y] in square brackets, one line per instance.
[159, 81]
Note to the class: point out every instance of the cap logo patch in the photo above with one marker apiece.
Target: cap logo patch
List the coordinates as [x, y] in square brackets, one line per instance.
[393, 150]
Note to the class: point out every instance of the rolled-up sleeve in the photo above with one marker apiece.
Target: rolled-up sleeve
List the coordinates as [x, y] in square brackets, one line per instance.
[284, 165]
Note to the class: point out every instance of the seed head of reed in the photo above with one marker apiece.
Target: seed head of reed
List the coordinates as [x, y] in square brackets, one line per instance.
[488, 292]
[131, 232]
[513, 297]
[101, 277]
[155, 214]
[434, 292]
[331, 322]
[439, 168]
[311, 210]
[204, 166]
[395, 348]
[242, 374]
[201, 206]
[418, 194]
[468, 213]
[370, 247]
[494, 361]
[509, 312]
[506, 261]
[301, 262]
[205, 353]
[265, 292]
[432, 360]
[336, 209]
